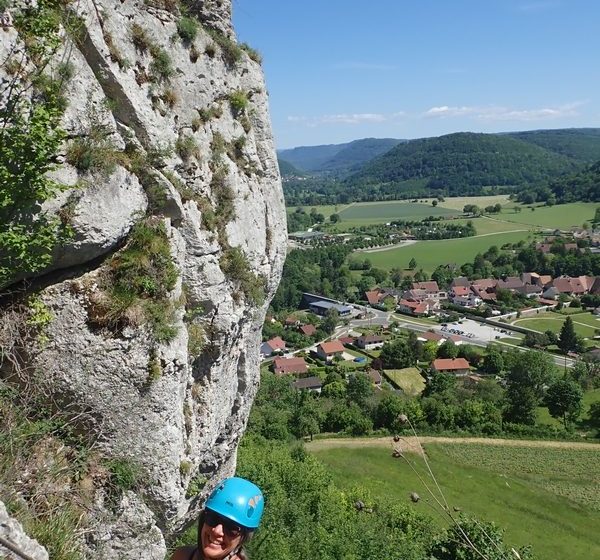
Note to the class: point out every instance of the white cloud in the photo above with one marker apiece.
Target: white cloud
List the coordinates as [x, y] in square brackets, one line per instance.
[346, 118]
[353, 118]
[497, 113]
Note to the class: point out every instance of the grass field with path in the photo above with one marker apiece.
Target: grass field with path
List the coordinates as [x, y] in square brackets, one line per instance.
[585, 323]
[430, 254]
[548, 498]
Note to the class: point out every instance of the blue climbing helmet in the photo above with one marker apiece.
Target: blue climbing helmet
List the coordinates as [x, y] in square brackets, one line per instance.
[238, 499]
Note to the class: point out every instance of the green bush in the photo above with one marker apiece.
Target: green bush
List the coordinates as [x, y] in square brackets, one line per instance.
[140, 38]
[236, 267]
[161, 66]
[187, 29]
[238, 100]
[252, 53]
[231, 51]
[138, 282]
[124, 474]
[187, 147]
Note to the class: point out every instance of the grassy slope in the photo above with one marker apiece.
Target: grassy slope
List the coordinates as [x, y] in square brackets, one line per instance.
[525, 505]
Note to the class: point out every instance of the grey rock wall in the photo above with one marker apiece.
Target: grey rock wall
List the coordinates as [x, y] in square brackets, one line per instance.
[183, 425]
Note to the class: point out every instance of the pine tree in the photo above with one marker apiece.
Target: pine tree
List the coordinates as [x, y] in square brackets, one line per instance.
[568, 340]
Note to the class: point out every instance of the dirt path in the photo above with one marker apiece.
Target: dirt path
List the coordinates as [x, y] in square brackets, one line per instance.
[411, 444]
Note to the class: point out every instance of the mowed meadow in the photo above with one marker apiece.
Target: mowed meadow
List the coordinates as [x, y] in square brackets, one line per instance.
[546, 497]
[513, 224]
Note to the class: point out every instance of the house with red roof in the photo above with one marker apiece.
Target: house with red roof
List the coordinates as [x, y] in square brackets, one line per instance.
[287, 366]
[381, 296]
[464, 296]
[454, 366]
[307, 330]
[347, 340]
[330, 350]
[430, 336]
[410, 307]
[372, 297]
[575, 286]
[431, 289]
[272, 346]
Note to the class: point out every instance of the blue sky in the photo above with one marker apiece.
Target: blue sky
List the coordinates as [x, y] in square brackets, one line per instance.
[338, 70]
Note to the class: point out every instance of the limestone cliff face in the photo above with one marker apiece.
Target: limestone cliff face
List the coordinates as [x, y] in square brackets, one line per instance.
[193, 111]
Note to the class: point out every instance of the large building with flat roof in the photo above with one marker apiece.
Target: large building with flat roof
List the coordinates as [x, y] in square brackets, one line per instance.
[322, 307]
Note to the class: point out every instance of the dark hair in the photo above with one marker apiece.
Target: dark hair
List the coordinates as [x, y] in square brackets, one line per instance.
[245, 537]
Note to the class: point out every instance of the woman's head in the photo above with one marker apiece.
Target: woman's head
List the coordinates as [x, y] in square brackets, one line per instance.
[232, 513]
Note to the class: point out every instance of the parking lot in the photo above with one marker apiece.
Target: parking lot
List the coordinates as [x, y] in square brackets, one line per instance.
[474, 330]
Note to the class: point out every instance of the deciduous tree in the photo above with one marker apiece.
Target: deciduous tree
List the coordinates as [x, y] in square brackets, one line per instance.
[563, 400]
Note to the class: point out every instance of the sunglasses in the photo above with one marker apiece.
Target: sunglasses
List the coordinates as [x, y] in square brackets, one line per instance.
[231, 529]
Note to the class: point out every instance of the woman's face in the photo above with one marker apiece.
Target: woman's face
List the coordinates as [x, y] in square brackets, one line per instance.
[218, 537]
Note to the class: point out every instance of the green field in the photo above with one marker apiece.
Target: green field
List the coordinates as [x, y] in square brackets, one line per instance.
[585, 323]
[484, 225]
[409, 380]
[430, 254]
[378, 212]
[562, 216]
[549, 498]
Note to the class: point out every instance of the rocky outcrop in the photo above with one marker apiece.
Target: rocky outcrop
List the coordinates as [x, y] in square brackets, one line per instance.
[175, 127]
[14, 542]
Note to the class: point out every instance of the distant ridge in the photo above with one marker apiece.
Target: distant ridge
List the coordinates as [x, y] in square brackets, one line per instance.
[337, 159]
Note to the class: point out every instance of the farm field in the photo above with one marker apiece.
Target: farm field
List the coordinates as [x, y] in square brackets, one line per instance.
[459, 202]
[407, 379]
[548, 498]
[484, 225]
[585, 323]
[376, 212]
[430, 254]
[560, 216]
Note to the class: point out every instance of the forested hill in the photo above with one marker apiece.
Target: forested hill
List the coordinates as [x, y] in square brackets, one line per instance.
[458, 164]
[337, 159]
[286, 169]
[583, 185]
[581, 144]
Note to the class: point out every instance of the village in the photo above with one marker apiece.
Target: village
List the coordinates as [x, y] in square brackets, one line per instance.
[456, 325]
